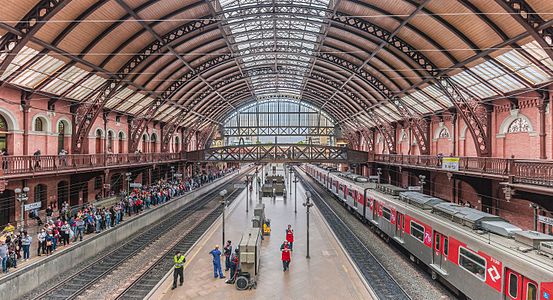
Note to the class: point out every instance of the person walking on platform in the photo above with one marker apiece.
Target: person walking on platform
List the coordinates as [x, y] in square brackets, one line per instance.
[26, 241]
[290, 237]
[228, 252]
[179, 269]
[41, 237]
[285, 250]
[217, 271]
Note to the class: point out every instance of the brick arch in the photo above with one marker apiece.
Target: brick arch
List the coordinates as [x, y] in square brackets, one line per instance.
[515, 114]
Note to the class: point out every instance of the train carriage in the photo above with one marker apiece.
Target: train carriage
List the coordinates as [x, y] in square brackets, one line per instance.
[479, 254]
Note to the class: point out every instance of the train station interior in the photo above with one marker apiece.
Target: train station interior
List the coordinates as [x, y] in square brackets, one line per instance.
[359, 149]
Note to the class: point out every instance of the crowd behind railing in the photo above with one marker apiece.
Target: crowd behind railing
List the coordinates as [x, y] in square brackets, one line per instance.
[68, 224]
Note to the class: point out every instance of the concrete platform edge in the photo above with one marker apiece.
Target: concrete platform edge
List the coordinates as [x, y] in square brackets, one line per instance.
[24, 280]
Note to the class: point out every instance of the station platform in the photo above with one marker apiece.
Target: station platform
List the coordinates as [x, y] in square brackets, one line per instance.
[328, 274]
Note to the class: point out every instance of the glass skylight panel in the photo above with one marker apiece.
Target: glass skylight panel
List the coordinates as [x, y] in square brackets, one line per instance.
[64, 81]
[128, 103]
[523, 67]
[119, 97]
[474, 85]
[20, 59]
[437, 95]
[534, 49]
[40, 70]
[86, 87]
[497, 77]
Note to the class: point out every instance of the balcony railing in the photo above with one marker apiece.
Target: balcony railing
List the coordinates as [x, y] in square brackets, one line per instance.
[14, 165]
[534, 172]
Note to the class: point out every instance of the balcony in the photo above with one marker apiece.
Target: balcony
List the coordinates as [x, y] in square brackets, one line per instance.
[516, 171]
[31, 166]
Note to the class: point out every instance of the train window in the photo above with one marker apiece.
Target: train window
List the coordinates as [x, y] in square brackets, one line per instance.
[386, 213]
[472, 263]
[513, 285]
[446, 246]
[437, 242]
[531, 292]
[417, 231]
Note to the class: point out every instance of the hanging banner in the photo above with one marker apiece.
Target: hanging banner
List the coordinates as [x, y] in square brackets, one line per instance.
[450, 163]
[32, 206]
[545, 220]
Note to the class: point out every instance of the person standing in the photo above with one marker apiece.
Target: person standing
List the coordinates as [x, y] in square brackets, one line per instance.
[26, 241]
[179, 269]
[234, 264]
[290, 237]
[228, 252]
[41, 238]
[285, 250]
[4, 256]
[217, 271]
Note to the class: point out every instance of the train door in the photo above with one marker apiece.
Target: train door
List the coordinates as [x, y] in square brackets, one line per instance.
[529, 289]
[440, 252]
[518, 287]
[400, 225]
[375, 211]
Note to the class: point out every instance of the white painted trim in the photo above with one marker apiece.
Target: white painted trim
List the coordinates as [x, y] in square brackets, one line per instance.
[10, 119]
[124, 135]
[68, 128]
[515, 114]
[93, 133]
[441, 127]
[47, 125]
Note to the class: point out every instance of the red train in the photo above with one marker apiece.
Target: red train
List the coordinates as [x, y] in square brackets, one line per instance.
[479, 254]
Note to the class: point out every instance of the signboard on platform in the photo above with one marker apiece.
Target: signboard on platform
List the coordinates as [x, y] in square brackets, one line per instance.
[450, 163]
[545, 220]
[417, 188]
[32, 206]
[135, 185]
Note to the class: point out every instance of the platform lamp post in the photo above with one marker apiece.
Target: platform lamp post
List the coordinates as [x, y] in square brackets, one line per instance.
[290, 180]
[308, 204]
[249, 180]
[224, 204]
[295, 194]
[22, 197]
[172, 173]
[378, 173]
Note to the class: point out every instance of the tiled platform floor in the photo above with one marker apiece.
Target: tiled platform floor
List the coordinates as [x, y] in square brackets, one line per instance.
[326, 275]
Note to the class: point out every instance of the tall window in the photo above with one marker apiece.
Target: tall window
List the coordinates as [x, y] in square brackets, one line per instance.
[41, 194]
[121, 137]
[39, 124]
[3, 133]
[519, 125]
[110, 141]
[153, 140]
[177, 144]
[61, 135]
[98, 141]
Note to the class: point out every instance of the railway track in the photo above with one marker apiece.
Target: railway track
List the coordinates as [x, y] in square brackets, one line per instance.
[75, 285]
[381, 281]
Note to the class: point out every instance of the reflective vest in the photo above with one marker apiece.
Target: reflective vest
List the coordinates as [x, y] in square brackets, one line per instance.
[179, 261]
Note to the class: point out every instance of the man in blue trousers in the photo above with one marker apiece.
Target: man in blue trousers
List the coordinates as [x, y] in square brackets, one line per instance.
[217, 271]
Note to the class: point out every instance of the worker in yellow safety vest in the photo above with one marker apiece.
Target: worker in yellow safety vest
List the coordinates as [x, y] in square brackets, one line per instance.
[179, 269]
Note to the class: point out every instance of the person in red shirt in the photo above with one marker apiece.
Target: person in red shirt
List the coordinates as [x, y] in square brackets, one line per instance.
[290, 237]
[285, 250]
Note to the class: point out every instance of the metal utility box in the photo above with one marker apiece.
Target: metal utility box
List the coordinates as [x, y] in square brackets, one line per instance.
[250, 247]
[258, 216]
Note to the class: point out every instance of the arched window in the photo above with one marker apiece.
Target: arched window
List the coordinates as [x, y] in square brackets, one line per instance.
[444, 134]
[39, 124]
[144, 143]
[41, 194]
[110, 141]
[98, 141]
[61, 135]
[518, 125]
[153, 140]
[177, 144]
[3, 134]
[121, 137]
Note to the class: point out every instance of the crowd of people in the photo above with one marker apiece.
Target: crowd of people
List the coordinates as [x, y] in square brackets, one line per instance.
[72, 223]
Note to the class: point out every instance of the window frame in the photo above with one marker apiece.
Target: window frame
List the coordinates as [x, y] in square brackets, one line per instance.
[509, 285]
[536, 295]
[411, 223]
[388, 211]
[461, 248]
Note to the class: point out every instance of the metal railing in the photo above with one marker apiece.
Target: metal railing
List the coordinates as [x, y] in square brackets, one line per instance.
[534, 172]
[12, 165]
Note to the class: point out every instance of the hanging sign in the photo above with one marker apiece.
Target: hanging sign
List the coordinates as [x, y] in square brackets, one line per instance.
[545, 220]
[450, 163]
[32, 206]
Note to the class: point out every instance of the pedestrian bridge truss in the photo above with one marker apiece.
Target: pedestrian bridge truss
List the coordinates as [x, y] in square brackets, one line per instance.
[279, 153]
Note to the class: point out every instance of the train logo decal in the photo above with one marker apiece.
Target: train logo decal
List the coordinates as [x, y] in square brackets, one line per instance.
[494, 274]
[427, 238]
[546, 295]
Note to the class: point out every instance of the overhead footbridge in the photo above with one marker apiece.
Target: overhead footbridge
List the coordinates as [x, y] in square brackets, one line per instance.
[281, 153]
